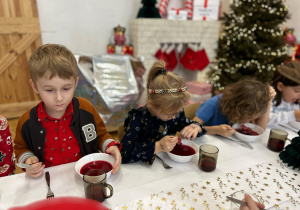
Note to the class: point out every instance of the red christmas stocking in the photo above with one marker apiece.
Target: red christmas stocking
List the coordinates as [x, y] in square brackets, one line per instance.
[202, 59]
[188, 60]
[171, 60]
[160, 54]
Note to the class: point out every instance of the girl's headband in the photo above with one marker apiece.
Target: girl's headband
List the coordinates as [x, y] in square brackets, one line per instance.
[174, 90]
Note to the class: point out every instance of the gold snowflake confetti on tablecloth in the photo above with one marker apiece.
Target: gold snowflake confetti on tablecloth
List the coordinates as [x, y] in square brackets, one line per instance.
[275, 185]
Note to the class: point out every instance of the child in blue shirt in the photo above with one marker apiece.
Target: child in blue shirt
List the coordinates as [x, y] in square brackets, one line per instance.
[247, 100]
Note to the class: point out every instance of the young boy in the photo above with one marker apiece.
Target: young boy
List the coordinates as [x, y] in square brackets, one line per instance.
[61, 128]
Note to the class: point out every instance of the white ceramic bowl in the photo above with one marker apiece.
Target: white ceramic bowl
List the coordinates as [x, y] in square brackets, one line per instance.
[245, 137]
[185, 159]
[295, 124]
[94, 157]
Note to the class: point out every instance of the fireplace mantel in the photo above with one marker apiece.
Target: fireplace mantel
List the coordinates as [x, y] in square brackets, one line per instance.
[147, 35]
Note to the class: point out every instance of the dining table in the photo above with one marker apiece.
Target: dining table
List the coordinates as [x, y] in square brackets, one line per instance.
[258, 171]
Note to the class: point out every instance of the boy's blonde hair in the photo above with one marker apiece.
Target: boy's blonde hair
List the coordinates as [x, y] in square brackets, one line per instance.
[158, 78]
[244, 100]
[54, 59]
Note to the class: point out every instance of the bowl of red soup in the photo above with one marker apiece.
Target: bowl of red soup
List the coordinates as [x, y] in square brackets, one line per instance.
[248, 132]
[184, 152]
[95, 161]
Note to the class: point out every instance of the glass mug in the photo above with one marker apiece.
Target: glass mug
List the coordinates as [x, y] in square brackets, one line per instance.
[95, 185]
[277, 139]
[208, 157]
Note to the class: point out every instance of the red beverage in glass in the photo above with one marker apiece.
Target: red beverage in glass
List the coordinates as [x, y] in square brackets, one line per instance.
[208, 163]
[98, 164]
[275, 145]
[183, 150]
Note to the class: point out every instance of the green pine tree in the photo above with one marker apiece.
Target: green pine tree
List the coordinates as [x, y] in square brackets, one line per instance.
[148, 10]
[291, 153]
[252, 42]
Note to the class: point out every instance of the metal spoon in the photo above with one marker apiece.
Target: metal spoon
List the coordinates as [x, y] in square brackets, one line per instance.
[166, 166]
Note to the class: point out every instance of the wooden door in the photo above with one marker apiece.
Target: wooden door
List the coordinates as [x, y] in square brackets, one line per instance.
[19, 37]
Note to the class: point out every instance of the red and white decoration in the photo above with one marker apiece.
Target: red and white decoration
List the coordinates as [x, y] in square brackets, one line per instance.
[206, 9]
[179, 14]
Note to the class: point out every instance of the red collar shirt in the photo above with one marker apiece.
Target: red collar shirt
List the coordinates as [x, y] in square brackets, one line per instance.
[61, 146]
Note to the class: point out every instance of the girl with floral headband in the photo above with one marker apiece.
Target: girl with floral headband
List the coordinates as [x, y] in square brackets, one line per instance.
[151, 129]
[286, 82]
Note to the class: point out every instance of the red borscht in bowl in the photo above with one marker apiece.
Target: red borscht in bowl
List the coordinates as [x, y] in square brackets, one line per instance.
[248, 132]
[95, 161]
[184, 152]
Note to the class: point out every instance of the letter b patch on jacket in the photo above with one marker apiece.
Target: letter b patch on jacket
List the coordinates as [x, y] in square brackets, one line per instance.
[89, 132]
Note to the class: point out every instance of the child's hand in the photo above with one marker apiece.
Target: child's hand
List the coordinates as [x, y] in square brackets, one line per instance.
[297, 114]
[190, 132]
[114, 151]
[252, 205]
[166, 144]
[36, 169]
[272, 92]
[224, 130]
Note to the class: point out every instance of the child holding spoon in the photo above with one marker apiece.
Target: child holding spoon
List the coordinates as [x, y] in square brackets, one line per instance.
[151, 129]
[247, 100]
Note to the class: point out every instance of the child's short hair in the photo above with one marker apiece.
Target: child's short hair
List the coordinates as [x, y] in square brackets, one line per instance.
[245, 99]
[289, 75]
[160, 79]
[53, 59]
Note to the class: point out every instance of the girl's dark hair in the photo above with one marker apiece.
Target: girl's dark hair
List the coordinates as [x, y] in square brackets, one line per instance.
[278, 77]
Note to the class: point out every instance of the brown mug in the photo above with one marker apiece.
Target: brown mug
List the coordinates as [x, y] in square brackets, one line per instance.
[277, 139]
[95, 185]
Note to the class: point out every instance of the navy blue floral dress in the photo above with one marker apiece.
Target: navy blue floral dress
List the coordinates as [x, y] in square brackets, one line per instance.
[142, 131]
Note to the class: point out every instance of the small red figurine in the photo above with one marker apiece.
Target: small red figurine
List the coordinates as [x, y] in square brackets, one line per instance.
[119, 46]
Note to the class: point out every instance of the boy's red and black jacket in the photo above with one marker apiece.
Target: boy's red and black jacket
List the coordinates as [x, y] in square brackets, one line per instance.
[30, 134]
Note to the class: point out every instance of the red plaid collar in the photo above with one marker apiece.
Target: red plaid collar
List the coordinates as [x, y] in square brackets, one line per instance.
[42, 114]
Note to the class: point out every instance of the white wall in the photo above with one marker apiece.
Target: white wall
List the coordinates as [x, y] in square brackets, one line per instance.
[86, 26]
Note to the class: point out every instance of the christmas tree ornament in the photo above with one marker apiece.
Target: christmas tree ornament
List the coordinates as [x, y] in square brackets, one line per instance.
[291, 153]
[289, 36]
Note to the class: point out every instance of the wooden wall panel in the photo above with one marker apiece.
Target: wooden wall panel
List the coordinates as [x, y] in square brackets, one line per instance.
[19, 37]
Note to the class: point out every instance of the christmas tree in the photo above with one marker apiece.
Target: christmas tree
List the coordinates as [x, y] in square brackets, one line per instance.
[149, 10]
[291, 153]
[252, 42]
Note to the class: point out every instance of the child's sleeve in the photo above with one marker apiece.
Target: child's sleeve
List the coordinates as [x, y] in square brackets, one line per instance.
[21, 149]
[7, 166]
[281, 117]
[105, 140]
[134, 147]
[206, 111]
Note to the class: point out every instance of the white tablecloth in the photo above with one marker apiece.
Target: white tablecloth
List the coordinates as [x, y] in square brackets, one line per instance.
[138, 182]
